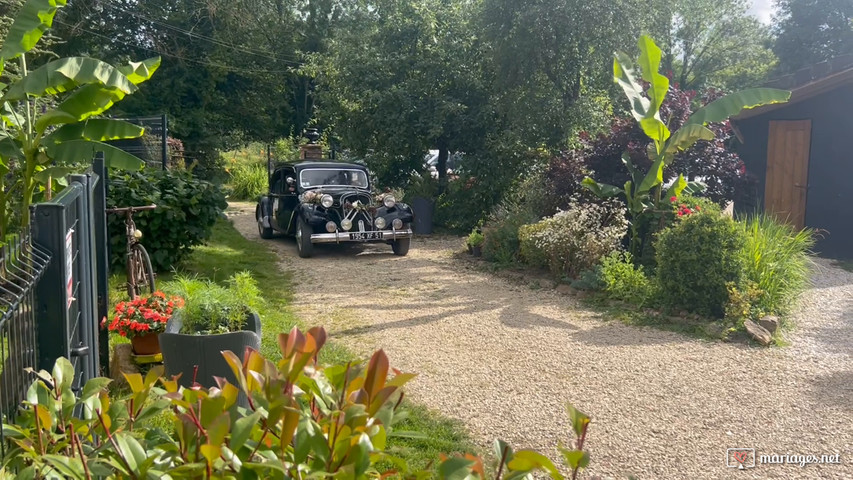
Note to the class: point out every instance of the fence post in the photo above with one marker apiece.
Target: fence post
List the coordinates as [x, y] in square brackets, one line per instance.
[49, 230]
[102, 254]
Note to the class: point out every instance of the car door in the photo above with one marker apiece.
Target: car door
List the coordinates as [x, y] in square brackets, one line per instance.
[284, 198]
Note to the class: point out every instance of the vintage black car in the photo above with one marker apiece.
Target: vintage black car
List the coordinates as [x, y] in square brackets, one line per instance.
[331, 202]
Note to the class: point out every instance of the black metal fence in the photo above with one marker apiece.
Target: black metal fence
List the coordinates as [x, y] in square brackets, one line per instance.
[72, 296]
[22, 265]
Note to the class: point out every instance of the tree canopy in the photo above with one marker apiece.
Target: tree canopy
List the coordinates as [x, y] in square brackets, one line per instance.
[809, 31]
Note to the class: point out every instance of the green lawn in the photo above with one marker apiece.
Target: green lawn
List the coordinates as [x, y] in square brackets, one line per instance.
[228, 252]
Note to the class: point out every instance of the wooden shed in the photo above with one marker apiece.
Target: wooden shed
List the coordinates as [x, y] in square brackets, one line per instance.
[801, 153]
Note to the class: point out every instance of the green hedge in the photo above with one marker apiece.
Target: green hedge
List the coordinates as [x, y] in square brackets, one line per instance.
[187, 210]
[697, 257]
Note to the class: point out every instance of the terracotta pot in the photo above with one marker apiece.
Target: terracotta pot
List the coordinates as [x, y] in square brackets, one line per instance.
[148, 344]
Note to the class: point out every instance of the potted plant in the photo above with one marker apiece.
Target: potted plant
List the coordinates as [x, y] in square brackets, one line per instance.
[475, 240]
[142, 319]
[214, 318]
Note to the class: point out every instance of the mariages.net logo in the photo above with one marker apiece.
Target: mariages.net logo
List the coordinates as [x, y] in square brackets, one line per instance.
[743, 458]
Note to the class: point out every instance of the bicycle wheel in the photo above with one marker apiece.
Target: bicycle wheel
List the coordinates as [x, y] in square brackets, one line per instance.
[142, 273]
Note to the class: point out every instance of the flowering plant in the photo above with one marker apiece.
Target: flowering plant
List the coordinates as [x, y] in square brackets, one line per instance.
[143, 315]
[311, 196]
[684, 209]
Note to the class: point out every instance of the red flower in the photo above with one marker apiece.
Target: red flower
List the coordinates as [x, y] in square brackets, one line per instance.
[672, 199]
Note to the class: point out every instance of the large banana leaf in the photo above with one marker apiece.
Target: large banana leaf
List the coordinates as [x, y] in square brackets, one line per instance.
[684, 138]
[650, 56]
[77, 151]
[32, 20]
[721, 109]
[10, 148]
[623, 74]
[66, 73]
[82, 103]
[98, 129]
[52, 172]
[601, 190]
[138, 72]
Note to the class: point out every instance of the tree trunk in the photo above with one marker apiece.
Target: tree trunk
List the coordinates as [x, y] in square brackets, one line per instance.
[441, 166]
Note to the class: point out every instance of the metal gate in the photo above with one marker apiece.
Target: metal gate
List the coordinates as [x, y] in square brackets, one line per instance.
[72, 298]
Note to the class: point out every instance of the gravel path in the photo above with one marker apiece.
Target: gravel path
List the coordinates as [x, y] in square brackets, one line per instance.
[505, 359]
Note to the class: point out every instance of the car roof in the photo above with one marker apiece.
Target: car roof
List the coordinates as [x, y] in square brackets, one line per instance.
[320, 164]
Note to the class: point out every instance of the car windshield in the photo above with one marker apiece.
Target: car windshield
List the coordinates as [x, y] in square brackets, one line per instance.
[317, 177]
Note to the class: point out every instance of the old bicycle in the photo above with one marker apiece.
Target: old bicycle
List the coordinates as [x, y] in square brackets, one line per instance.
[140, 274]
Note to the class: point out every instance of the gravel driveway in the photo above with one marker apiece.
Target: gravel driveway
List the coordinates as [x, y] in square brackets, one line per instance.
[505, 359]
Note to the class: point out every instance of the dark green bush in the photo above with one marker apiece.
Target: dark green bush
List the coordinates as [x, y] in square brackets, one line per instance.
[501, 244]
[696, 258]
[186, 210]
[653, 222]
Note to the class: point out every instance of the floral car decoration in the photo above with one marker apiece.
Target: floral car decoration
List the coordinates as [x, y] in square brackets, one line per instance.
[331, 202]
[143, 315]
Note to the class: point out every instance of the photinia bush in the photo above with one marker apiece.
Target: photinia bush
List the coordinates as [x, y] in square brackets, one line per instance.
[304, 421]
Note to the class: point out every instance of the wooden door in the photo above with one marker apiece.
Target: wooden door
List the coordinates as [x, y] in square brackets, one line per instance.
[786, 184]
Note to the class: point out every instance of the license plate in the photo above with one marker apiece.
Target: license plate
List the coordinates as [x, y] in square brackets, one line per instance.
[365, 236]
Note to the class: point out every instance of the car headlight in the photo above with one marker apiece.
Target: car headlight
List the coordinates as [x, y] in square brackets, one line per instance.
[389, 201]
[137, 234]
[330, 227]
[397, 224]
[379, 222]
[346, 224]
[327, 201]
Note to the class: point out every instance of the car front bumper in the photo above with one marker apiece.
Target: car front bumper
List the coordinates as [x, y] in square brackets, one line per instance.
[372, 236]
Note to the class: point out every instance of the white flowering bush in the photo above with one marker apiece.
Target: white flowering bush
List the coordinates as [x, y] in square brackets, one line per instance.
[576, 239]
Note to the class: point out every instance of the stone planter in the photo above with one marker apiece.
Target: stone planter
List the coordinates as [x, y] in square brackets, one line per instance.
[147, 344]
[183, 353]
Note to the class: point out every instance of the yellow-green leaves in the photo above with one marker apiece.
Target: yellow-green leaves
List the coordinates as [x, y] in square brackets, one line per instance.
[32, 20]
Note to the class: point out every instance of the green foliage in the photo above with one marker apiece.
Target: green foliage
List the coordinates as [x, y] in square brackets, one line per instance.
[48, 113]
[713, 43]
[776, 260]
[646, 94]
[210, 308]
[475, 238]
[622, 281]
[743, 303]
[696, 258]
[186, 211]
[591, 279]
[304, 420]
[501, 244]
[248, 182]
[576, 239]
[531, 253]
[810, 31]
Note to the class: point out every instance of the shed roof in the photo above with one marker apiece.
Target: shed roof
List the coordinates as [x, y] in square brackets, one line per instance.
[808, 82]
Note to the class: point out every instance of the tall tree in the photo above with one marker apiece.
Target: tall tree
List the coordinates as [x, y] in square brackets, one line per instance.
[712, 43]
[402, 77]
[809, 31]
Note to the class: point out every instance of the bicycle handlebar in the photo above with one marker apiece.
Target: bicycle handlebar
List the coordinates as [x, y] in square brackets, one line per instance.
[131, 209]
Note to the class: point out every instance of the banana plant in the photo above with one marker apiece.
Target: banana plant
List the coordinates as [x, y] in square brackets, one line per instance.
[644, 190]
[48, 114]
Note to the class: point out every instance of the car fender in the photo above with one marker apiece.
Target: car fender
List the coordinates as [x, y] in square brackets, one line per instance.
[265, 211]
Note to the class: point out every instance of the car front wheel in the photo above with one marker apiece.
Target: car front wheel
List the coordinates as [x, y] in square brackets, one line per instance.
[401, 247]
[303, 238]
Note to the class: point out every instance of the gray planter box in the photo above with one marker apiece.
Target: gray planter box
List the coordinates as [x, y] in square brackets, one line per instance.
[182, 353]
